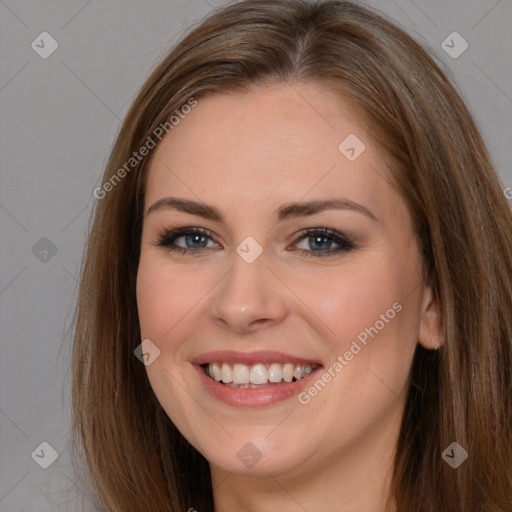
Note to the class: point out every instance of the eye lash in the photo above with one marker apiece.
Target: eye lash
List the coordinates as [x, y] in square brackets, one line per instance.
[166, 240]
[345, 244]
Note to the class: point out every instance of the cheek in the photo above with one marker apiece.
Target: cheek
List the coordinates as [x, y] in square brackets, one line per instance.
[372, 314]
[354, 298]
[164, 298]
[165, 295]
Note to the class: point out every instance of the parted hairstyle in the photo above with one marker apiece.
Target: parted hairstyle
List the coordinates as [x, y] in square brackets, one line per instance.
[134, 456]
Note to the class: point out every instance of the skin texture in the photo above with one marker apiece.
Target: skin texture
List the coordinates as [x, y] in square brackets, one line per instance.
[248, 154]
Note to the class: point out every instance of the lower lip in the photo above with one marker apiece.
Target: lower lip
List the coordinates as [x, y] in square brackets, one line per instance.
[254, 397]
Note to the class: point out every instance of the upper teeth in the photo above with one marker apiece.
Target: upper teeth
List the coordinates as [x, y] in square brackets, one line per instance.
[258, 373]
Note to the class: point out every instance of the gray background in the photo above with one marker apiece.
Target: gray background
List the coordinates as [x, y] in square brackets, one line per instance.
[59, 118]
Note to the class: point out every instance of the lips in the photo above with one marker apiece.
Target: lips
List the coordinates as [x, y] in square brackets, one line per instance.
[254, 379]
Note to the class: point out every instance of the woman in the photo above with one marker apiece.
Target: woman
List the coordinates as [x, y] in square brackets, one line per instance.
[340, 337]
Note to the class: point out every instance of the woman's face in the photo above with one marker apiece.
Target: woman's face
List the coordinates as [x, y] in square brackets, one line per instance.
[255, 298]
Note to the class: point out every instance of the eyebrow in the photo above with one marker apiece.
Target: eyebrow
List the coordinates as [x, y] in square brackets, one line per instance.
[289, 210]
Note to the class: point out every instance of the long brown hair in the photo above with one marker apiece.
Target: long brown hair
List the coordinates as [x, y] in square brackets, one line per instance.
[135, 457]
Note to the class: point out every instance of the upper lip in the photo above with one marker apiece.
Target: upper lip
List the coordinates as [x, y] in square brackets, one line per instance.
[251, 358]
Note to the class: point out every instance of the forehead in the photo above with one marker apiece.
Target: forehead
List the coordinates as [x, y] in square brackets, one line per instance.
[271, 144]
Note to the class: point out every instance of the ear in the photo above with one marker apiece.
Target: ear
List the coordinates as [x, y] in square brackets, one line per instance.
[431, 335]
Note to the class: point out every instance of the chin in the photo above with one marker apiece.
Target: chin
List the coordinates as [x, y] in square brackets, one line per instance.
[253, 451]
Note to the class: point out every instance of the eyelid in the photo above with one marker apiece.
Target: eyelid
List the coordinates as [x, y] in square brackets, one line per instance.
[345, 243]
[178, 232]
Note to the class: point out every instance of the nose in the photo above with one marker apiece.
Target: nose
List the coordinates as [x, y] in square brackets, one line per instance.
[249, 297]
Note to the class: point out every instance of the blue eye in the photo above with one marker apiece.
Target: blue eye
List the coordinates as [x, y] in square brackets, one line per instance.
[192, 237]
[318, 239]
[321, 238]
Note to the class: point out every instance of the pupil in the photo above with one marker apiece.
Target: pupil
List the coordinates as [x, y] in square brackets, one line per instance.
[195, 239]
[316, 238]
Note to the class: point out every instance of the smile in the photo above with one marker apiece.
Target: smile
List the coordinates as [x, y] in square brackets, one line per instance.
[259, 375]
[255, 379]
